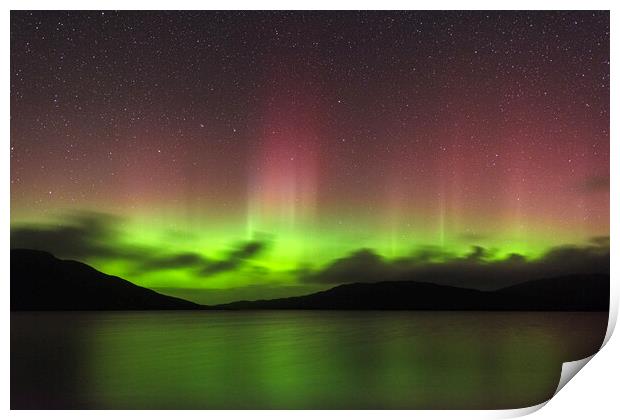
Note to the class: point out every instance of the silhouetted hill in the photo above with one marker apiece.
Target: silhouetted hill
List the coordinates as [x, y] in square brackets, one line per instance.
[40, 281]
[383, 295]
[579, 292]
[568, 293]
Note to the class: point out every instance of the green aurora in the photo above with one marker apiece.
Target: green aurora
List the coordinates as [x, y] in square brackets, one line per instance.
[247, 263]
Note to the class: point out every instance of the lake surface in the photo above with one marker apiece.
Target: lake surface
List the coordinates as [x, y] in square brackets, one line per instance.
[294, 359]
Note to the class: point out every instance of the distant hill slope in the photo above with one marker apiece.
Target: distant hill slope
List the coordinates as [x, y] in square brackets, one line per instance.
[579, 292]
[568, 293]
[40, 281]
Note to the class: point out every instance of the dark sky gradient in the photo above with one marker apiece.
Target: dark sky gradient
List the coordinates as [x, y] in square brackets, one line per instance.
[317, 133]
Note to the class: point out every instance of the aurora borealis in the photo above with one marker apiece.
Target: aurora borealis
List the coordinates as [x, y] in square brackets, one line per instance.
[224, 155]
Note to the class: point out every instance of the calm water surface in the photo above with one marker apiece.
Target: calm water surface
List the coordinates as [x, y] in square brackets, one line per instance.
[294, 359]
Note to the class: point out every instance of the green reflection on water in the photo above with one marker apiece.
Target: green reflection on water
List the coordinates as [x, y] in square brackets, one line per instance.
[321, 360]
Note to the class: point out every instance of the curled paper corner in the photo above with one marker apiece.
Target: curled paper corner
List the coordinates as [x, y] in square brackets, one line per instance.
[569, 370]
[520, 412]
[611, 322]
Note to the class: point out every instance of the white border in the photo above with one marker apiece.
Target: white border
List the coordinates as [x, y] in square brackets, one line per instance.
[593, 394]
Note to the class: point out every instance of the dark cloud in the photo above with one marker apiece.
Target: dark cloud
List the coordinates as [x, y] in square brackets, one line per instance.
[600, 241]
[77, 235]
[171, 261]
[235, 258]
[477, 253]
[364, 265]
[594, 184]
[477, 269]
[430, 253]
[89, 235]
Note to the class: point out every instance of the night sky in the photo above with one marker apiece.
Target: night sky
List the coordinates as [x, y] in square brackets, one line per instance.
[224, 155]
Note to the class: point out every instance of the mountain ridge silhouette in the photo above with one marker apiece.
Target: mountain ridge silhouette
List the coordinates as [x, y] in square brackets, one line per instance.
[40, 281]
[580, 292]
